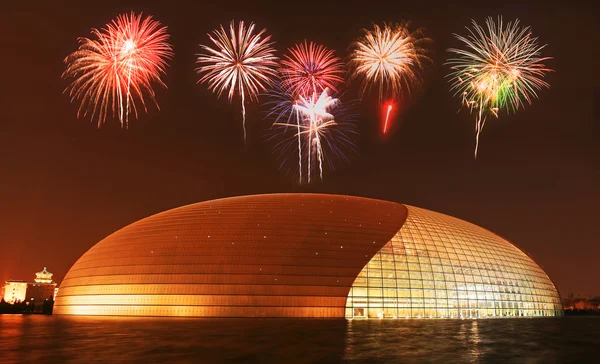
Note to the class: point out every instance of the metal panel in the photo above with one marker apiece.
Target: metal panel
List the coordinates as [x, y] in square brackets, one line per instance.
[280, 255]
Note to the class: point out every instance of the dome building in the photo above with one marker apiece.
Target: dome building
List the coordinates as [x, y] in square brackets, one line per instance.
[306, 255]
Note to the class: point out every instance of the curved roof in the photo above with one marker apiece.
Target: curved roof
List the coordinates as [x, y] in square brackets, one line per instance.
[262, 255]
[305, 255]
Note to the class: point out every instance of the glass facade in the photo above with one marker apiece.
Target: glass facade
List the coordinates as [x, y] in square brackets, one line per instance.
[438, 266]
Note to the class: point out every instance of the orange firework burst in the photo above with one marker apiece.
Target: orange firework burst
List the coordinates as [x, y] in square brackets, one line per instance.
[118, 67]
[389, 57]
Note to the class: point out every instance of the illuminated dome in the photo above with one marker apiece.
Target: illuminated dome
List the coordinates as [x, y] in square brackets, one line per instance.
[306, 255]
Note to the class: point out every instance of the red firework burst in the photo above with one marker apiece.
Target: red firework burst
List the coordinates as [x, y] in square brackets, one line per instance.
[310, 68]
[117, 68]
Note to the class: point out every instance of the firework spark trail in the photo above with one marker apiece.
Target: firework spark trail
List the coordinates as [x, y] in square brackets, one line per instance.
[316, 112]
[281, 107]
[129, 48]
[387, 118]
[241, 61]
[500, 68]
[389, 57]
[299, 147]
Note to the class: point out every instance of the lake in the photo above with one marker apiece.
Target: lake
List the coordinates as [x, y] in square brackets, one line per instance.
[53, 339]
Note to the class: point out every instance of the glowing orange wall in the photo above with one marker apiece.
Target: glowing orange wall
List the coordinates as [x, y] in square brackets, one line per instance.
[280, 255]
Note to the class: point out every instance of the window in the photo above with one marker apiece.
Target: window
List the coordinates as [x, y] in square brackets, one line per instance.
[477, 274]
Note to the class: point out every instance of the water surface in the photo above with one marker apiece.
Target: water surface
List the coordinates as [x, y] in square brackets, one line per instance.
[92, 339]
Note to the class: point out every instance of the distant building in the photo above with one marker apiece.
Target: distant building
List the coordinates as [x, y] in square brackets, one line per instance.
[581, 302]
[40, 290]
[15, 291]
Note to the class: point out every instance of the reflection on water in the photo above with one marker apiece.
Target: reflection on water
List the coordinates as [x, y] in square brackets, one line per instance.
[60, 339]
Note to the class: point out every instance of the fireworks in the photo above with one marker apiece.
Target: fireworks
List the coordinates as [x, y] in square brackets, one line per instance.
[387, 117]
[500, 68]
[242, 62]
[303, 108]
[310, 68]
[118, 66]
[316, 126]
[389, 57]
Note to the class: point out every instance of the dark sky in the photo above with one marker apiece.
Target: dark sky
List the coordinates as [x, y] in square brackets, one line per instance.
[64, 185]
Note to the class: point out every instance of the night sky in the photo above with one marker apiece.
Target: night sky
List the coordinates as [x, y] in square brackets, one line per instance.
[65, 185]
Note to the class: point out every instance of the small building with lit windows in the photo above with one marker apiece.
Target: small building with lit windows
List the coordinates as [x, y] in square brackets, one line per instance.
[15, 291]
[306, 255]
[40, 290]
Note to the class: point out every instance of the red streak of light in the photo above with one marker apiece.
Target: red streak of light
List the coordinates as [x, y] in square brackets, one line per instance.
[387, 117]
